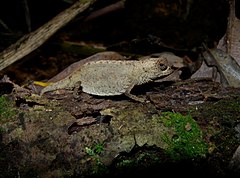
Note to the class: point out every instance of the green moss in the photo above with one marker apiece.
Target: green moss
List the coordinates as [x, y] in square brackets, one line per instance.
[98, 167]
[219, 120]
[125, 163]
[142, 159]
[223, 111]
[187, 142]
[7, 111]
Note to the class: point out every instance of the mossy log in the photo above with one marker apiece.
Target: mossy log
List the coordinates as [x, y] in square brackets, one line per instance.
[187, 126]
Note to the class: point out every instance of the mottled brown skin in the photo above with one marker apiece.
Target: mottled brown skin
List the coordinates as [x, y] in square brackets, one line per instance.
[114, 77]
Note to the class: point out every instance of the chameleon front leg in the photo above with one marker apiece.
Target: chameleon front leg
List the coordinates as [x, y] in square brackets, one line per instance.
[76, 89]
[134, 97]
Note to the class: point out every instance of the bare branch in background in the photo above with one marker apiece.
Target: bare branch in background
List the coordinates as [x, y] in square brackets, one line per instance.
[108, 9]
[4, 25]
[27, 15]
[230, 43]
[32, 41]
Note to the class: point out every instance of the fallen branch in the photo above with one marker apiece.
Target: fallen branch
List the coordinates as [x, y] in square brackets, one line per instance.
[106, 10]
[32, 41]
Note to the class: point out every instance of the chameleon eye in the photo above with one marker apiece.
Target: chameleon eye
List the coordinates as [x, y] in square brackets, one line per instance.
[162, 67]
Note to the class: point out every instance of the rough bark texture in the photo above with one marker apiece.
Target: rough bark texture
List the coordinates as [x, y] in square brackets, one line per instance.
[65, 136]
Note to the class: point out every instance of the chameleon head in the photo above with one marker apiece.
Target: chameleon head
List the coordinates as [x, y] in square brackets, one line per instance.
[163, 66]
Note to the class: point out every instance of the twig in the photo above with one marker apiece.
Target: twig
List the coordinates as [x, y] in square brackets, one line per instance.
[4, 25]
[111, 8]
